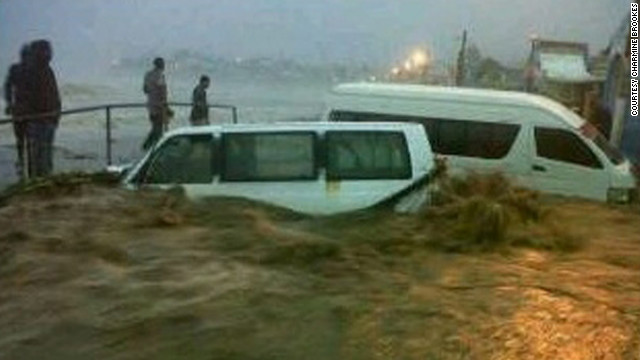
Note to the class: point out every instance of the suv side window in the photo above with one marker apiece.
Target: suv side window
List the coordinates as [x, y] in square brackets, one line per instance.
[182, 159]
[565, 146]
[269, 156]
[353, 155]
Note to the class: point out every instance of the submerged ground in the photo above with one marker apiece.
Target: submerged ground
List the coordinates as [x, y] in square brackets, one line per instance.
[94, 272]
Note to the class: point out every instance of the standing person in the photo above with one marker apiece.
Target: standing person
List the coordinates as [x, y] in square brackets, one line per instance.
[15, 94]
[200, 107]
[42, 98]
[155, 87]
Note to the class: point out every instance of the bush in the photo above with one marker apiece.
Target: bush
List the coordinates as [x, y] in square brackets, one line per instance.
[59, 184]
[487, 212]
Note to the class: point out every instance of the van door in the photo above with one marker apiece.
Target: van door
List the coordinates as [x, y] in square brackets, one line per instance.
[564, 164]
[276, 167]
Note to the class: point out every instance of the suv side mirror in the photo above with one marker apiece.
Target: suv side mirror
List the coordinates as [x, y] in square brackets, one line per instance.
[119, 170]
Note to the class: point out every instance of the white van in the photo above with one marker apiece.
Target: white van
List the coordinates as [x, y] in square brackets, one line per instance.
[313, 167]
[534, 140]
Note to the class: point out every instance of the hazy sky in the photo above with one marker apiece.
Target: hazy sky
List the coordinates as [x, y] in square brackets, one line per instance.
[88, 34]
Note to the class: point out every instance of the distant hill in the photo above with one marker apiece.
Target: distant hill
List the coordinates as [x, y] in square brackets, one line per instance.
[188, 62]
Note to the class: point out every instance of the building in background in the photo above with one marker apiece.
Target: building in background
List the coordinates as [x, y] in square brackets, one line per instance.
[559, 70]
[615, 100]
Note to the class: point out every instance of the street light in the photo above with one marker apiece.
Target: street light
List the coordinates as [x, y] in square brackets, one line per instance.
[419, 58]
[408, 65]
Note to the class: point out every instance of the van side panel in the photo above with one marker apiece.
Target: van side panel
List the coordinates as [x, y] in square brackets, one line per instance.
[326, 196]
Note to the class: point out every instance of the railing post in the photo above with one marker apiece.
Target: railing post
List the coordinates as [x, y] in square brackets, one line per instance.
[25, 172]
[234, 110]
[108, 114]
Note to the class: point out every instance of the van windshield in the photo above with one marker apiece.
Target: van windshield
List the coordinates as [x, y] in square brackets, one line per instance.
[614, 155]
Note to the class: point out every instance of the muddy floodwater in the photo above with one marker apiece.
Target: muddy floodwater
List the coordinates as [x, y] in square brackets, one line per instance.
[96, 272]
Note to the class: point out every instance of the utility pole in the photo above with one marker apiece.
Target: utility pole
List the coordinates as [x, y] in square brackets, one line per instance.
[461, 59]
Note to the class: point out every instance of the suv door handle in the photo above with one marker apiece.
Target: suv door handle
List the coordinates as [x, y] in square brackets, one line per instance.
[539, 168]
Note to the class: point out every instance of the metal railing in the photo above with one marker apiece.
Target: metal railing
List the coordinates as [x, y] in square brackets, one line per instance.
[107, 108]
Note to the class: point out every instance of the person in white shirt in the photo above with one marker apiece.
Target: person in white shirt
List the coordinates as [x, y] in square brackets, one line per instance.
[155, 87]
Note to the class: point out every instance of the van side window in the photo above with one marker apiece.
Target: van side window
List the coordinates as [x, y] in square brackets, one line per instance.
[471, 138]
[269, 156]
[485, 140]
[343, 116]
[451, 137]
[562, 145]
[182, 159]
[367, 155]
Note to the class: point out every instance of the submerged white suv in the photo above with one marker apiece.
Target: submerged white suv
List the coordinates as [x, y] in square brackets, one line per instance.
[311, 167]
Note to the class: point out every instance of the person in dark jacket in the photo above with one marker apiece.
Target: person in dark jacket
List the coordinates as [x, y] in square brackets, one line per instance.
[200, 107]
[15, 94]
[43, 98]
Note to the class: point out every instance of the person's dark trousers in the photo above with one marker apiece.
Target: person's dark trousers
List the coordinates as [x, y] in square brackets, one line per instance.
[157, 127]
[20, 132]
[41, 135]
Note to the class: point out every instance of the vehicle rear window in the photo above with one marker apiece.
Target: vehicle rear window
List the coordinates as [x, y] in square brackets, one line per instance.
[183, 159]
[487, 140]
[367, 155]
[565, 146]
[268, 156]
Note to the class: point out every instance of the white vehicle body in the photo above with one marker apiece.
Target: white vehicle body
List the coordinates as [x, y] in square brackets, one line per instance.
[313, 167]
[532, 139]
